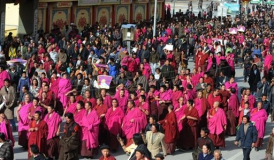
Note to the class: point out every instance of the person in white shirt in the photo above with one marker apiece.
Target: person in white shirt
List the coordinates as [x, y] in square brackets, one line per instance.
[54, 55]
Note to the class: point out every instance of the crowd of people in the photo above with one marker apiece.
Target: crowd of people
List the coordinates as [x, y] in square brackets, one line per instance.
[155, 103]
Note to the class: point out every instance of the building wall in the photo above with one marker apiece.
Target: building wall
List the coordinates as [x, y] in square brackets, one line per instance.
[105, 12]
[11, 19]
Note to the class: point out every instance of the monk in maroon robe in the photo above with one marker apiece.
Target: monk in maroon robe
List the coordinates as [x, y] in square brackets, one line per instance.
[38, 133]
[190, 126]
[208, 80]
[171, 130]
[232, 112]
[225, 96]
[101, 110]
[214, 97]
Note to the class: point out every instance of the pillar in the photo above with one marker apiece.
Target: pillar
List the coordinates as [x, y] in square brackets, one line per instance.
[28, 17]
[2, 20]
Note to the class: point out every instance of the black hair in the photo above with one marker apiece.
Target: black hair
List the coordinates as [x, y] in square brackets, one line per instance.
[143, 97]
[247, 117]
[206, 130]
[39, 113]
[34, 149]
[69, 115]
[137, 138]
[2, 136]
[190, 101]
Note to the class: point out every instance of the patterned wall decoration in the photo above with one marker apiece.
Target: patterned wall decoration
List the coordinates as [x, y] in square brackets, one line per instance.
[60, 17]
[159, 10]
[88, 2]
[139, 12]
[82, 17]
[122, 12]
[104, 15]
[41, 19]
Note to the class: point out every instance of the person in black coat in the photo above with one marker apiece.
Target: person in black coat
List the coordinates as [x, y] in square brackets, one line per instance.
[247, 134]
[254, 78]
[205, 155]
[168, 71]
[34, 150]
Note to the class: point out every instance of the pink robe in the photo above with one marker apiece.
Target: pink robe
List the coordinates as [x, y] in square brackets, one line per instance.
[6, 129]
[71, 108]
[190, 94]
[147, 70]
[79, 115]
[114, 120]
[217, 122]
[260, 118]
[90, 129]
[179, 114]
[107, 101]
[139, 123]
[175, 97]
[53, 123]
[23, 124]
[3, 75]
[63, 88]
[229, 85]
[209, 63]
[230, 61]
[122, 101]
[267, 62]
[164, 97]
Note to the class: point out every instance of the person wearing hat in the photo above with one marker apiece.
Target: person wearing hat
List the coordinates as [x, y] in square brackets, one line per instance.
[105, 153]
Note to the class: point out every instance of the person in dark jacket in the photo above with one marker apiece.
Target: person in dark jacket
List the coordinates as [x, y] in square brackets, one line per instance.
[35, 153]
[247, 134]
[205, 154]
[6, 150]
[168, 71]
[254, 78]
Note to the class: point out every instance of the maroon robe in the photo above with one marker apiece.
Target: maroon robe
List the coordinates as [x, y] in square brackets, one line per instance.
[211, 99]
[232, 114]
[189, 133]
[169, 124]
[38, 137]
[225, 96]
[102, 109]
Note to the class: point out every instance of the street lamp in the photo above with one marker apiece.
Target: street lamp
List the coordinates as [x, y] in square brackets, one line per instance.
[155, 18]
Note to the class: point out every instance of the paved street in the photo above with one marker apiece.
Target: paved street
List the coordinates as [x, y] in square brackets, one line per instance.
[231, 152]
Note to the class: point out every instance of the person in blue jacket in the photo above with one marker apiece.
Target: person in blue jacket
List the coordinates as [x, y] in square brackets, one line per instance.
[247, 135]
[23, 81]
[112, 69]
